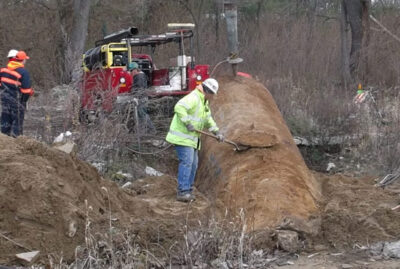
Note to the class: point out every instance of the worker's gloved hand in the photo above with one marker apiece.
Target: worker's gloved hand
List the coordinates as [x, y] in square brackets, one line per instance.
[190, 127]
[220, 137]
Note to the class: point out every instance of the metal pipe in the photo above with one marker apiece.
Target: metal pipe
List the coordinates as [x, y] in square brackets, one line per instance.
[230, 8]
[117, 36]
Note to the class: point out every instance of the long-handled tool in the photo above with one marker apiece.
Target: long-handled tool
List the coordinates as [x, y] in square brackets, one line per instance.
[238, 148]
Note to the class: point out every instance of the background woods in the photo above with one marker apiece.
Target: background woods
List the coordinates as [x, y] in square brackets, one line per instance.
[297, 38]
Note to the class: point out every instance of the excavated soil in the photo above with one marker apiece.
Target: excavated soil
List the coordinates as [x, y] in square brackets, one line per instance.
[355, 212]
[47, 197]
[271, 184]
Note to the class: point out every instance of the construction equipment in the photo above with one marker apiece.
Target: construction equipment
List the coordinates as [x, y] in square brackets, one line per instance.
[230, 11]
[230, 14]
[107, 82]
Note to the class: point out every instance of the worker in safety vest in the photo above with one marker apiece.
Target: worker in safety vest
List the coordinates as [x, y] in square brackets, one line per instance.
[15, 91]
[192, 113]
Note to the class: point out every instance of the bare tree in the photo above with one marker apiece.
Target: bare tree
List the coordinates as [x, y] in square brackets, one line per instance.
[345, 59]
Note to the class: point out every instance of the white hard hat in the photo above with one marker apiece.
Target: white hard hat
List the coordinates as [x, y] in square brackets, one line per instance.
[211, 84]
[12, 53]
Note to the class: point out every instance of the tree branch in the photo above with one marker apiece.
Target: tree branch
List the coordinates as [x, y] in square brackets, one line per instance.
[384, 28]
[40, 3]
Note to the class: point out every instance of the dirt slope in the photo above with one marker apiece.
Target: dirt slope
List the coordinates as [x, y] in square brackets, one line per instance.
[270, 184]
[42, 202]
[353, 211]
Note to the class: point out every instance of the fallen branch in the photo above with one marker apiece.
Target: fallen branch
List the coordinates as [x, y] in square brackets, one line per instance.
[396, 207]
[16, 243]
[388, 179]
[384, 28]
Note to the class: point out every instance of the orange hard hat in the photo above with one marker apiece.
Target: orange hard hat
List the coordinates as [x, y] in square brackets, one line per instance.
[21, 55]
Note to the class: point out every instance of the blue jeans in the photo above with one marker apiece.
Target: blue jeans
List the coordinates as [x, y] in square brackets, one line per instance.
[188, 161]
[12, 117]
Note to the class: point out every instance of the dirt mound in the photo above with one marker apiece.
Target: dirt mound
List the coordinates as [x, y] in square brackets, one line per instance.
[47, 196]
[43, 194]
[354, 211]
[269, 184]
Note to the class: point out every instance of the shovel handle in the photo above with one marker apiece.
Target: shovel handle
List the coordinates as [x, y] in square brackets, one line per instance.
[207, 134]
[214, 136]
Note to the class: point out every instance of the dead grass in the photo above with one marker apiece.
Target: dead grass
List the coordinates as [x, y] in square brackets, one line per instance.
[213, 244]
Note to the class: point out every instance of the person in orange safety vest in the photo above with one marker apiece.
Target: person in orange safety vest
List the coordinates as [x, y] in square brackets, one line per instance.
[15, 90]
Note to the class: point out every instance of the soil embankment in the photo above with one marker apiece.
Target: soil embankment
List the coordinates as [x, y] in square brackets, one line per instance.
[48, 199]
[270, 184]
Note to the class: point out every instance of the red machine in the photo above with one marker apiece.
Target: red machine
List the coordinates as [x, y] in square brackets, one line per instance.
[106, 78]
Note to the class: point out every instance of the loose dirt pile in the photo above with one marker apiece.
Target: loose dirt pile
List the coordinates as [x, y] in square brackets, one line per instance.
[353, 212]
[270, 184]
[47, 197]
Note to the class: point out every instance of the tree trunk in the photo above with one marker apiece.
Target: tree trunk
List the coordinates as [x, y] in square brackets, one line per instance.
[77, 41]
[311, 14]
[365, 41]
[354, 16]
[356, 12]
[344, 33]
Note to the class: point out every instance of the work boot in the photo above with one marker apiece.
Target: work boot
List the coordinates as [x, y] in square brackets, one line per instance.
[185, 197]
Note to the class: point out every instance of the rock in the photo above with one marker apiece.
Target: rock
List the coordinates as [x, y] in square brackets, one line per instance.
[391, 250]
[59, 138]
[121, 176]
[63, 137]
[28, 256]
[376, 249]
[150, 171]
[72, 227]
[100, 166]
[126, 185]
[288, 240]
[257, 254]
[300, 141]
[330, 167]
[68, 147]
[157, 143]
